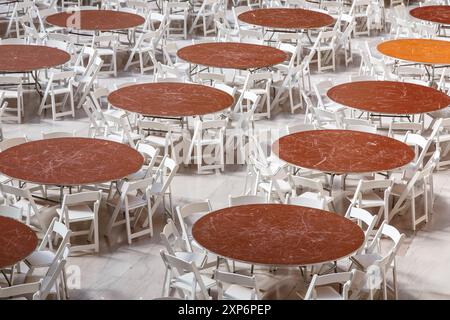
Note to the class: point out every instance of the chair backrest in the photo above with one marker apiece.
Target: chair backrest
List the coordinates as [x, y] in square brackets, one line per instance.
[362, 127]
[188, 210]
[370, 185]
[316, 203]
[11, 212]
[247, 199]
[172, 262]
[171, 238]
[56, 230]
[222, 277]
[57, 134]
[343, 278]
[300, 127]
[365, 220]
[304, 183]
[394, 236]
[150, 155]
[69, 200]
[12, 194]
[12, 142]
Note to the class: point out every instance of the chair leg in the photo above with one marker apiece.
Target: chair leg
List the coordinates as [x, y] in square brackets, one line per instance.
[128, 225]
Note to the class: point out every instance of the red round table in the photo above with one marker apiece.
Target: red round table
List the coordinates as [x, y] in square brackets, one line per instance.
[169, 99]
[232, 55]
[277, 235]
[17, 241]
[343, 151]
[70, 161]
[286, 18]
[436, 14]
[28, 58]
[96, 20]
[389, 97]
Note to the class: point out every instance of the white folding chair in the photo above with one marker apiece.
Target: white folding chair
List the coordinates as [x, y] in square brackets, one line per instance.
[80, 208]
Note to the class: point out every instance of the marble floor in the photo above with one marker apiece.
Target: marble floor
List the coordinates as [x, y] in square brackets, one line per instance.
[122, 271]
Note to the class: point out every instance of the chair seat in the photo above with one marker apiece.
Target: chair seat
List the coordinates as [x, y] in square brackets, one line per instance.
[104, 51]
[10, 94]
[398, 189]
[59, 90]
[284, 186]
[236, 292]
[80, 212]
[199, 259]
[327, 293]
[39, 259]
[315, 196]
[186, 280]
[369, 200]
[115, 112]
[366, 260]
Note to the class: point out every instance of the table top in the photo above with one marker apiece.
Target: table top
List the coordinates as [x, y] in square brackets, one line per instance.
[286, 18]
[169, 99]
[437, 14]
[96, 20]
[17, 241]
[232, 55]
[70, 161]
[277, 234]
[426, 51]
[343, 151]
[28, 57]
[389, 97]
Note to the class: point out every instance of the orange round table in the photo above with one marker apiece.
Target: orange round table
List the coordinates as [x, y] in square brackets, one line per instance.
[425, 51]
[169, 99]
[96, 20]
[436, 14]
[17, 241]
[277, 235]
[389, 97]
[343, 151]
[232, 55]
[70, 161]
[286, 18]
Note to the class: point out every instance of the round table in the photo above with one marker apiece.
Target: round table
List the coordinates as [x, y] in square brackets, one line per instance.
[232, 55]
[70, 161]
[343, 151]
[277, 235]
[436, 14]
[424, 51]
[17, 241]
[96, 20]
[286, 18]
[389, 97]
[168, 99]
[28, 58]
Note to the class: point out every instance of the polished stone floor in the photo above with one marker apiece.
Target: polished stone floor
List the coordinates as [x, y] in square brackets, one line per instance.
[122, 271]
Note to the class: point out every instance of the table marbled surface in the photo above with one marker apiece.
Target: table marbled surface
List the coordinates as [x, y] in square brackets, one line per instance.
[286, 18]
[232, 55]
[25, 58]
[343, 151]
[389, 97]
[277, 234]
[170, 99]
[70, 161]
[96, 20]
[17, 241]
[438, 14]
